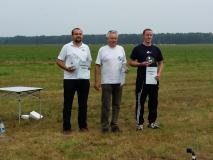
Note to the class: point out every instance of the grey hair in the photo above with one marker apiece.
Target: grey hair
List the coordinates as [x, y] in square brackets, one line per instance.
[111, 32]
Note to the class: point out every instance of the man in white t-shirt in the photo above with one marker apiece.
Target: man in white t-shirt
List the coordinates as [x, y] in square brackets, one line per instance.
[75, 60]
[109, 71]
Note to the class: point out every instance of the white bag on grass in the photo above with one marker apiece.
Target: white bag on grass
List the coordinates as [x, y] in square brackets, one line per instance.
[35, 115]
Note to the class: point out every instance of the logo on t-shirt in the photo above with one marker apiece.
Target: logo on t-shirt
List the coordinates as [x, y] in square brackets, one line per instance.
[148, 52]
[120, 58]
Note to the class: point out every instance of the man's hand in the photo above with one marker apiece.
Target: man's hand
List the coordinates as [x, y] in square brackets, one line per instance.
[145, 63]
[70, 69]
[135, 63]
[157, 77]
[97, 86]
[160, 68]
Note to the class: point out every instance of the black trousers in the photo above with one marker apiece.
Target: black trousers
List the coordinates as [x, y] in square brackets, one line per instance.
[141, 94]
[81, 86]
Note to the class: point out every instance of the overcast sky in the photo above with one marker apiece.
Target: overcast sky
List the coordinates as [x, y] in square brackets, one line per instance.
[58, 17]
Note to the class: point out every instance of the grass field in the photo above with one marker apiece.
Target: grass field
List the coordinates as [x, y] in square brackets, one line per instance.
[185, 109]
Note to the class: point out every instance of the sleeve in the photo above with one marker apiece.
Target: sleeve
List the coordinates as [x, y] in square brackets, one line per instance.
[160, 56]
[133, 55]
[63, 53]
[98, 59]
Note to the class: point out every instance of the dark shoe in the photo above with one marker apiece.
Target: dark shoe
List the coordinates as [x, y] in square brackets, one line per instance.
[153, 125]
[67, 132]
[115, 129]
[84, 129]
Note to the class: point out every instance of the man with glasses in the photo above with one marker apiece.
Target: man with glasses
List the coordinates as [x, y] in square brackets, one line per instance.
[149, 61]
[110, 64]
[75, 60]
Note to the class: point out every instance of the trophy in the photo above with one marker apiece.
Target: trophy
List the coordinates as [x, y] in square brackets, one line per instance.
[150, 59]
[72, 61]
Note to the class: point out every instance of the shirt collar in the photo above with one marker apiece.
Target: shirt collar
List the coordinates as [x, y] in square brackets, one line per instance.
[82, 44]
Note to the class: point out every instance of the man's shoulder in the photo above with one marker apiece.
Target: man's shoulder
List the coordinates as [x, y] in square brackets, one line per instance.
[139, 46]
[70, 44]
[119, 46]
[67, 44]
[155, 46]
[105, 47]
[85, 45]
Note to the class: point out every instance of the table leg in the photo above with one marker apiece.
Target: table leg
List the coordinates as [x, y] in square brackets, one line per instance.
[19, 104]
[39, 96]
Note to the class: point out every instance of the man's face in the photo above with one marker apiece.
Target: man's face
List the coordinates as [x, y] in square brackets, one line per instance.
[112, 39]
[148, 35]
[77, 36]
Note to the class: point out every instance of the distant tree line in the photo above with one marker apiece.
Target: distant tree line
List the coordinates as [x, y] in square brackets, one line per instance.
[161, 38]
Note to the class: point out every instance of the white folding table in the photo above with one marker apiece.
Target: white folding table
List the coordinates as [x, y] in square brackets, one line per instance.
[19, 92]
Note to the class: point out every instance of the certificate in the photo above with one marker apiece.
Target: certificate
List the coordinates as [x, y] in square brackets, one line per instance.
[83, 71]
[151, 73]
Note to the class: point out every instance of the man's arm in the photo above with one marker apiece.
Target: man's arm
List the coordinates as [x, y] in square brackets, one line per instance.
[135, 63]
[160, 69]
[97, 77]
[61, 64]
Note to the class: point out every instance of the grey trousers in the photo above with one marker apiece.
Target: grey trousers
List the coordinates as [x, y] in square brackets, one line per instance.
[108, 91]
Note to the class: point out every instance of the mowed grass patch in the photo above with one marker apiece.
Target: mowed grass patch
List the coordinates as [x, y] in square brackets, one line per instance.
[185, 109]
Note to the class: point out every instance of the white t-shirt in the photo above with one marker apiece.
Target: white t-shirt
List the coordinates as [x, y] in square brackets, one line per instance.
[111, 61]
[78, 57]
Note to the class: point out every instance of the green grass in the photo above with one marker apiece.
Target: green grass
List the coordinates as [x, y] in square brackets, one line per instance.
[185, 109]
